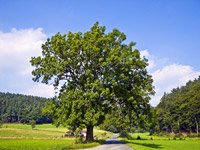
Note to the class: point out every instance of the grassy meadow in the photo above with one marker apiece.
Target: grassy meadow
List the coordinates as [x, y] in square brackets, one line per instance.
[42, 137]
[162, 142]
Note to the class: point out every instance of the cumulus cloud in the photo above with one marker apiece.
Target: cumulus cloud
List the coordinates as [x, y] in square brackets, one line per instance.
[41, 90]
[169, 77]
[151, 59]
[16, 49]
[18, 46]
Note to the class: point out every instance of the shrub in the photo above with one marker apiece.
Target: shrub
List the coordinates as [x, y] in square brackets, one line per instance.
[193, 135]
[104, 134]
[124, 134]
[69, 133]
[138, 138]
[32, 123]
[112, 128]
[1, 124]
[79, 136]
[179, 135]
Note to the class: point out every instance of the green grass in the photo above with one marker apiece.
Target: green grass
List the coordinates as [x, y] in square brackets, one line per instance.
[28, 144]
[48, 127]
[46, 131]
[43, 137]
[162, 142]
[31, 134]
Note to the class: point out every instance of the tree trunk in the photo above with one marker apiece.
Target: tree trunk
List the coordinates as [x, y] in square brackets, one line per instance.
[197, 126]
[178, 127]
[89, 134]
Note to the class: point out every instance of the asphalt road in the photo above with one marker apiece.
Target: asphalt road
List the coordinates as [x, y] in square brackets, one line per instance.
[112, 144]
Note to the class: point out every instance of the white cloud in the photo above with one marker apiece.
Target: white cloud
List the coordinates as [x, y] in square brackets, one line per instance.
[16, 49]
[18, 41]
[151, 61]
[41, 90]
[169, 77]
[18, 46]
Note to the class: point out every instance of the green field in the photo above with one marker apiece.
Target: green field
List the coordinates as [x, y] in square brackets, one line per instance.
[162, 142]
[43, 137]
[48, 137]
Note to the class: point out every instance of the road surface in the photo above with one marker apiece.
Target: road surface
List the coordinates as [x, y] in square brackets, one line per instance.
[111, 144]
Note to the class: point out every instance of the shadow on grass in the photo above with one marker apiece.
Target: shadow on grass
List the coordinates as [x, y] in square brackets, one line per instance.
[156, 146]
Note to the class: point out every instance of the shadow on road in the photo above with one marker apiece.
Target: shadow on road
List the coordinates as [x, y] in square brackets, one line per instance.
[113, 141]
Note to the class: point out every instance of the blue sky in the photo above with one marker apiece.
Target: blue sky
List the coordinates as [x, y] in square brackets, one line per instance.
[166, 32]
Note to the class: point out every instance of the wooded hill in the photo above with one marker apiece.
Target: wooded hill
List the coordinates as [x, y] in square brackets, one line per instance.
[22, 108]
[179, 111]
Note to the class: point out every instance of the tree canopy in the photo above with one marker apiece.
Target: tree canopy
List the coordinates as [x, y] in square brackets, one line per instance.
[97, 73]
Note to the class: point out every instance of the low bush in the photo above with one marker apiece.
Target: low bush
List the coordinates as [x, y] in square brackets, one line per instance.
[112, 128]
[69, 133]
[125, 134]
[193, 135]
[1, 124]
[138, 138]
[178, 135]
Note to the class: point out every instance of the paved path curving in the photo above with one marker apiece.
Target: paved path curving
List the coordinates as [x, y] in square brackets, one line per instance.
[111, 144]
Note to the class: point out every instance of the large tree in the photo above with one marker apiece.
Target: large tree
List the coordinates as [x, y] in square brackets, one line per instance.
[97, 72]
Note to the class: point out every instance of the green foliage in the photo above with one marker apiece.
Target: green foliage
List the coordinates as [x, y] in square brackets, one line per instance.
[125, 134]
[138, 138]
[179, 111]
[78, 135]
[32, 123]
[69, 133]
[112, 128]
[97, 73]
[115, 122]
[22, 108]
[1, 124]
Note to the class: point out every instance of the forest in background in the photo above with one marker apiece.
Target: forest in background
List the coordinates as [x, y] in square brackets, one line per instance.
[23, 109]
[178, 111]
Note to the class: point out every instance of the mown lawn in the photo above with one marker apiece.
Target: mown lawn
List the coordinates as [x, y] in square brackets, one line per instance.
[162, 142]
[43, 137]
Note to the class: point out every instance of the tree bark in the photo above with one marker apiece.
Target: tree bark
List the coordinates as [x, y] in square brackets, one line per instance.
[197, 126]
[89, 134]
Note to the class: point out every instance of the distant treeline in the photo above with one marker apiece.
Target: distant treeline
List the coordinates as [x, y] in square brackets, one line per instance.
[179, 111]
[22, 108]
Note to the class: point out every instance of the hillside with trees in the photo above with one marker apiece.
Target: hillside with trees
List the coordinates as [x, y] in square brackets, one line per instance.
[179, 111]
[22, 108]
